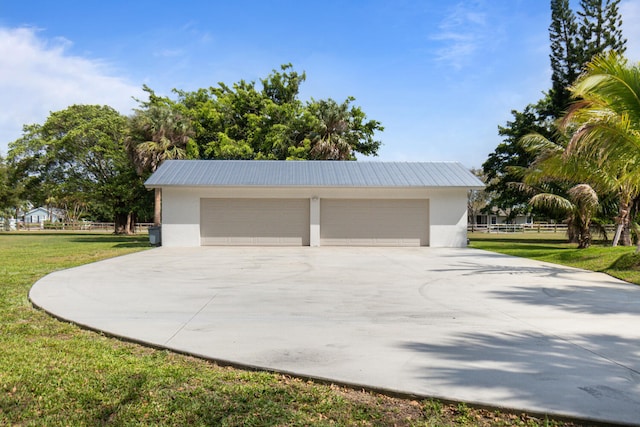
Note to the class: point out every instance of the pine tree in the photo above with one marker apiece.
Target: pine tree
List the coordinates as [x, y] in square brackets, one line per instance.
[600, 28]
[565, 56]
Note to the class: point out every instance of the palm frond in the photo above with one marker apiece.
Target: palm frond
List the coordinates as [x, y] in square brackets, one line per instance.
[606, 138]
[552, 201]
[523, 187]
[584, 197]
[609, 79]
[536, 143]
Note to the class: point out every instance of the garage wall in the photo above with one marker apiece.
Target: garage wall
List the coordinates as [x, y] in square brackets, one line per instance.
[180, 217]
[448, 218]
[181, 209]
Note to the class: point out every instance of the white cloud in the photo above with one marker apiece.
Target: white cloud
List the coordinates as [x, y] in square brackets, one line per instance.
[38, 76]
[462, 32]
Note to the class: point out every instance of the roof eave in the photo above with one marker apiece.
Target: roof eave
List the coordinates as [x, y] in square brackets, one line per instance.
[411, 187]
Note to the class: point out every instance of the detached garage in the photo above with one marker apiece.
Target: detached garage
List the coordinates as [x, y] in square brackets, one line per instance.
[313, 203]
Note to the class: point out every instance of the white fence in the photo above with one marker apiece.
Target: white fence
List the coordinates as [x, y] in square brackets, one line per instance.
[527, 228]
[105, 227]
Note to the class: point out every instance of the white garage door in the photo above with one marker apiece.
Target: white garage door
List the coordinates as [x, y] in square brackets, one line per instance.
[267, 222]
[374, 222]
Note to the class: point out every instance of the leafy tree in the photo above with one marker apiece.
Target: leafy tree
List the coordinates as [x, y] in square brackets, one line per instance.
[477, 200]
[505, 165]
[283, 87]
[245, 122]
[6, 200]
[242, 122]
[77, 157]
[9, 191]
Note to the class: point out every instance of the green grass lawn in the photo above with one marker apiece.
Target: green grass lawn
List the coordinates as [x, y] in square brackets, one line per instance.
[54, 373]
[620, 262]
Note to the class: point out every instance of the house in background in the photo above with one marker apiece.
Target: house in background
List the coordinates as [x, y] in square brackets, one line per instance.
[499, 217]
[313, 203]
[41, 215]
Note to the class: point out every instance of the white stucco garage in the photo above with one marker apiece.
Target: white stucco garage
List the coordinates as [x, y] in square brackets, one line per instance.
[313, 203]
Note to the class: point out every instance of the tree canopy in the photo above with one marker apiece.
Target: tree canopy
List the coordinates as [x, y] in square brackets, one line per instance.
[91, 161]
[76, 158]
[247, 122]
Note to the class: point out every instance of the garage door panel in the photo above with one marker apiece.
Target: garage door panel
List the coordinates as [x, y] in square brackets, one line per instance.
[386, 241]
[370, 222]
[250, 222]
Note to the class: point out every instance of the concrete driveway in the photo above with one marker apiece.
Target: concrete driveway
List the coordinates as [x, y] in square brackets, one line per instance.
[459, 324]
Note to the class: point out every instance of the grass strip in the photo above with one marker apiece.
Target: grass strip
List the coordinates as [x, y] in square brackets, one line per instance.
[620, 262]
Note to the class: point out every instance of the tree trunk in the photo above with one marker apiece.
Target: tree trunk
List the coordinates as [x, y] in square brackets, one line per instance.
[583, 225]
[157, 208]
[130, 223]
[584, 240]
[625, 237]
[623, 231]
[573, 232]
[120, 223]
[616, 238]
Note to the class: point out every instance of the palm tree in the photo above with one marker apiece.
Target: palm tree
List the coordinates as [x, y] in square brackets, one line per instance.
[157, 134]
[556, 163]
[330, 140]
[552, 174]
[341, 130]
[605, 124]
[580, 206]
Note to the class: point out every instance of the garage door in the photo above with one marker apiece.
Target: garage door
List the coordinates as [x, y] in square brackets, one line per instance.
[374, 222]
[268, 222]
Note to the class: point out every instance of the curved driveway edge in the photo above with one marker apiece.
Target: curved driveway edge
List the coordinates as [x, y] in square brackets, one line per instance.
[458, 324]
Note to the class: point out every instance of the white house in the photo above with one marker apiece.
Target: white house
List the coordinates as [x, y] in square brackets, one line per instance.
[499, 217]
[313, 203]
[42, 214]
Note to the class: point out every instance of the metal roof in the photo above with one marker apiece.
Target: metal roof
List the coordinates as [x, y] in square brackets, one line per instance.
[279, 173]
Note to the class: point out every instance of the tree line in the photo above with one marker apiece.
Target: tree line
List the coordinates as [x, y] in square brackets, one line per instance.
[572, 155]
[91, 161]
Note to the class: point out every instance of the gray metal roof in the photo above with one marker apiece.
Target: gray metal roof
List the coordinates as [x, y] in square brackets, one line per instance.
[274, 173]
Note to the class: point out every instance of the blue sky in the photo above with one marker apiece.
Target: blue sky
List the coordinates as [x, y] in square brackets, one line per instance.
[440, 75]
